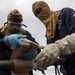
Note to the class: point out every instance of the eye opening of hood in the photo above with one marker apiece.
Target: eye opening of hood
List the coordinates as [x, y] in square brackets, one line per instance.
[37, 11]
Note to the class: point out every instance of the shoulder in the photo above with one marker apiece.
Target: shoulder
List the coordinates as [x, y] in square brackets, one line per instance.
[67, 10]
[27, 33]
[29, 36]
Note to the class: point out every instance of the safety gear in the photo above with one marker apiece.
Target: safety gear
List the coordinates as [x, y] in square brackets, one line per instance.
[14, 21]
[50, 53]
[48, 17]
[15, 14]
[47, 56]
[14, 29]
[14, 25]
[5, 31]
[14, 40]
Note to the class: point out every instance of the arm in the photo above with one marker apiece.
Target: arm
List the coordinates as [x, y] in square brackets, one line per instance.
[67, 44]
[50, 53]
[29, 36]
[30, 55]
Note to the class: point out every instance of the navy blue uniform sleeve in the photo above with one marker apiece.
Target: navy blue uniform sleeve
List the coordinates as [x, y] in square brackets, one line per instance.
[2, 44]
[29, 36]
[1, 40]
[69, 18]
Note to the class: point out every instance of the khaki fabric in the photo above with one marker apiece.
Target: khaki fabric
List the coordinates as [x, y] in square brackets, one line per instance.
[67, 44]
[14, 14]
[49, 55]
[48, 17]
[5, 30]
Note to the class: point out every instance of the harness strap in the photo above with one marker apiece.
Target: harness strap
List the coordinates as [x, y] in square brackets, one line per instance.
[57, 70]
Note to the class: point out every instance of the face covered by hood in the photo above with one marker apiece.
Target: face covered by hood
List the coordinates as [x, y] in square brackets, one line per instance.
[13, 24]
[13, 27]
[48, 17]
[14, 21]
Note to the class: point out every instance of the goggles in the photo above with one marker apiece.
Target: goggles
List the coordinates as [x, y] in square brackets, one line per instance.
[15, 24]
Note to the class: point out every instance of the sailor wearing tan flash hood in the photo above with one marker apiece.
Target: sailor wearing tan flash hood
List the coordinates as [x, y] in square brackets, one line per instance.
[60, 26]
[21, 57]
